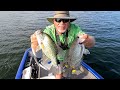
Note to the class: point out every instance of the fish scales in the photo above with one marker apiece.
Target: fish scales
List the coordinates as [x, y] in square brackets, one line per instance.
[47, 45]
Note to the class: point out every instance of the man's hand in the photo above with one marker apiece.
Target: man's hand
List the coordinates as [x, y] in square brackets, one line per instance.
[87, 40]
[34, 42]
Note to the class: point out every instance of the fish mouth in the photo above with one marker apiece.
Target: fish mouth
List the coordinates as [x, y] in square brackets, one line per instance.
[38, 32]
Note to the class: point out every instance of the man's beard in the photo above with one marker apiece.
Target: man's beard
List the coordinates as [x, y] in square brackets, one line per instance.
[62, 31]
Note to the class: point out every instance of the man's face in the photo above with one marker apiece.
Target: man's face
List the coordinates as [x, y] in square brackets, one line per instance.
[61, 25]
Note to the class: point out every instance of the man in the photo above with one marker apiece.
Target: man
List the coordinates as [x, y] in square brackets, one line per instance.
[63, 32]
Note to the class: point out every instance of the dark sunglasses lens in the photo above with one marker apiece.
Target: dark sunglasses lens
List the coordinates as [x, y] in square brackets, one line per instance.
[64, 20]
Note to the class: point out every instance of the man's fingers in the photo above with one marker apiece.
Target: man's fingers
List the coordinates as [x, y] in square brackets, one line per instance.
[33, 38]
[34, 42]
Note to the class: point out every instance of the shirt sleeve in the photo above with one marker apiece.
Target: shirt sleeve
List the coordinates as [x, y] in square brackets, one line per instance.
[78, 30]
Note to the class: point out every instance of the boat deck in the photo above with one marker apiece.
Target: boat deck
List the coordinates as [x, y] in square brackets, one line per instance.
[85, 74]
[86, 71]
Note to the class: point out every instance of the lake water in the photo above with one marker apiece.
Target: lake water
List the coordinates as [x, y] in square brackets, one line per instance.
[17, 26]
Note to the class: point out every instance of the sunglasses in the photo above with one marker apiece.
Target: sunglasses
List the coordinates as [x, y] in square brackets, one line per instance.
[64, 20]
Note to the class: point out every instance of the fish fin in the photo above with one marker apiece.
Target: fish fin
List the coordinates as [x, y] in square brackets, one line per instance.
[86, 51]
[61, 54]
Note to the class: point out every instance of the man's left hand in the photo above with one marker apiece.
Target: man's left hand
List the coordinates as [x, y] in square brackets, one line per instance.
[87, 40]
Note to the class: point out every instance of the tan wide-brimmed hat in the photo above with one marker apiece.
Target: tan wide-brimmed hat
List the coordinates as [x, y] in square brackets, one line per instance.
[62, 15]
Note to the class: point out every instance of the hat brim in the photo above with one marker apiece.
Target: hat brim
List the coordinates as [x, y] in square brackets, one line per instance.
[50, 19]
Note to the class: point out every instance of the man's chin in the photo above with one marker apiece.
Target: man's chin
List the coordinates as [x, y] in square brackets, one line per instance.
[62, 31]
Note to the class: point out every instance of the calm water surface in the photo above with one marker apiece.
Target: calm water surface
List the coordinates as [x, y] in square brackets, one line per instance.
[17, 26]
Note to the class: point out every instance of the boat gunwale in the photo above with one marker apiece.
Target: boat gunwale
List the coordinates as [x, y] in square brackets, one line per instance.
[98, 76]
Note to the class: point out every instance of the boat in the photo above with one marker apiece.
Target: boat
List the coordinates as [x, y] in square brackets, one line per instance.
[31, 68]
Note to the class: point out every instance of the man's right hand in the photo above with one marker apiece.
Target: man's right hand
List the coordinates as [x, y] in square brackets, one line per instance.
[34, 42]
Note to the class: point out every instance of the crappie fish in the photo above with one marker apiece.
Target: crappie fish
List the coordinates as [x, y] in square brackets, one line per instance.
[73, 58]
[47, 45]
[75, 54]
